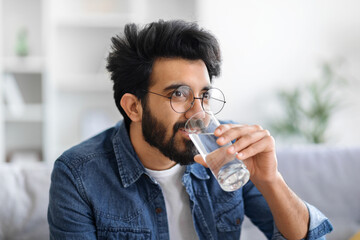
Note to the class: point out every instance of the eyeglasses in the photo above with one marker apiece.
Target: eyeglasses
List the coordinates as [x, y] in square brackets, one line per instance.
[182, 99]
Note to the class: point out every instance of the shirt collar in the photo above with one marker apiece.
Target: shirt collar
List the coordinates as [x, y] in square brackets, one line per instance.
[129, 165]
[198, 171]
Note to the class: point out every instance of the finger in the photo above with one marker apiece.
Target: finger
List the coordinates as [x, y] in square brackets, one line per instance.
[235, 132]
[267, 144]
[223, 128]
[246, 140]
[198, 158]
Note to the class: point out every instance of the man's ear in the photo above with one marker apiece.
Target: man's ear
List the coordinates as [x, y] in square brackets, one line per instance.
[132, 106]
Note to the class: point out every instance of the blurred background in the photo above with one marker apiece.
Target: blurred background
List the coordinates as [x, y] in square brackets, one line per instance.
[292, 67]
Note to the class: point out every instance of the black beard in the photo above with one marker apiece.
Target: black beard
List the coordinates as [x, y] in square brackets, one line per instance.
[154, 133]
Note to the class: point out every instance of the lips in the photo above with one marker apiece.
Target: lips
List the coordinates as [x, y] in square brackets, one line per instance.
[184, 133]
[193, 131]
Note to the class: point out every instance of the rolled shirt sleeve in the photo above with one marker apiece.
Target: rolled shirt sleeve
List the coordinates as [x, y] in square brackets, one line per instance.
[319, 225]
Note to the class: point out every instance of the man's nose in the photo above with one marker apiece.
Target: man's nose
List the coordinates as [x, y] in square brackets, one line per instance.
[196, 107]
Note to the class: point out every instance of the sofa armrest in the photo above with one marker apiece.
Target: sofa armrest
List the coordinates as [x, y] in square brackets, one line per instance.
[24, 195]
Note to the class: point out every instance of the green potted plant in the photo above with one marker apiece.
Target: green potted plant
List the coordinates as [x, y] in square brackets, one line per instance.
[308, 108]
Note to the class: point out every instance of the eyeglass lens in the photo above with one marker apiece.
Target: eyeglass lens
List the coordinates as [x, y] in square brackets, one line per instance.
[182, 100]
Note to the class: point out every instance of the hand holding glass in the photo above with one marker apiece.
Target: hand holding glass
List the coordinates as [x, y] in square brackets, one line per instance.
[230, 172]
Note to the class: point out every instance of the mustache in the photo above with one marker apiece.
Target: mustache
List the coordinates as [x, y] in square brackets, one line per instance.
[179, 125]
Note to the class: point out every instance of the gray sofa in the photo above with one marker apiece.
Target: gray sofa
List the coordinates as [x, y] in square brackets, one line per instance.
[24, 196]
[327, 177]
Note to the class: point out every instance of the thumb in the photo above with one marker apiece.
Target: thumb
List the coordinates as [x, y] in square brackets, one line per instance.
[198, 158]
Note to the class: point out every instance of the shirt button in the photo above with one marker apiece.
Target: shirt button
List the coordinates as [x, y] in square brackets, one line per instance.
[158, 210]
[237, 221]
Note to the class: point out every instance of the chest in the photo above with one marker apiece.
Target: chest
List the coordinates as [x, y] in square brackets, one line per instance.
[139, 211]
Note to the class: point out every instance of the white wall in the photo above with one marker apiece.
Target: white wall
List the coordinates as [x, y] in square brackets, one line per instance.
[268, 45]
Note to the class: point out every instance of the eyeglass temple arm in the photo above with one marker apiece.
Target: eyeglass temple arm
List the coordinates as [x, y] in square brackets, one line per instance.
[157, 94]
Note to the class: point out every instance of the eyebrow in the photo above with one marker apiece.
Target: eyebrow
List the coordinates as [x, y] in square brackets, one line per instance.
[176, 85]
[173, 87]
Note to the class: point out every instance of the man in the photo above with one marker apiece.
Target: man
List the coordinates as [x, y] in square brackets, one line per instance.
[138, 180]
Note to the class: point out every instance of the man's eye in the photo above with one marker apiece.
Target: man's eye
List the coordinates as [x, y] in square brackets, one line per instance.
[178, 93]
[181, 93]
[206, 95]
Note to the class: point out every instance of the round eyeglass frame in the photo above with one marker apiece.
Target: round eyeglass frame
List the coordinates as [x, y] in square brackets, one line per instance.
[194, 98]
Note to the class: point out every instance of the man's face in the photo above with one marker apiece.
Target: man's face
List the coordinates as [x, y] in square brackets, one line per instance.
[162, 127]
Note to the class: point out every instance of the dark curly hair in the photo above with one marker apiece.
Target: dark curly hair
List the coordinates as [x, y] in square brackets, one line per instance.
[132, 56]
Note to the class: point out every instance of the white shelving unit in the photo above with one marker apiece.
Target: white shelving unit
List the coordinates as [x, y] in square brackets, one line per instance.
[82, 89]
[63, 81]
[22, 80]
[2, 118]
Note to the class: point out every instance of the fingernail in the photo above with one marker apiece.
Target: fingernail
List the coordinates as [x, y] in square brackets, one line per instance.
[231, 149]
[217, 131]
[240, 155]
[221, 139]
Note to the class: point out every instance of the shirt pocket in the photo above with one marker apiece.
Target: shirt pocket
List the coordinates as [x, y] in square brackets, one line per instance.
[230, 215]
[124, 233]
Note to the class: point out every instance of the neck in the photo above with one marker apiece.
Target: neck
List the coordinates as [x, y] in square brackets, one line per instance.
[149, 156]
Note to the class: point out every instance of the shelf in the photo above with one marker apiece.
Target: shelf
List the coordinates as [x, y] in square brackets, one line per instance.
[85, 83]
[23, 65]
[94, 20]
[26, 113]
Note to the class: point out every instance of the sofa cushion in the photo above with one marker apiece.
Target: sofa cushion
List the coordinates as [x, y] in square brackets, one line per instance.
[328, 178]
[24, 196]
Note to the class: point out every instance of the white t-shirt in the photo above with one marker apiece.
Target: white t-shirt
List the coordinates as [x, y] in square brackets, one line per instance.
[177, 203]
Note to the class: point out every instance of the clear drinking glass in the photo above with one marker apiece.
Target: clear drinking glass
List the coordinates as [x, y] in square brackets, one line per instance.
[230, 172]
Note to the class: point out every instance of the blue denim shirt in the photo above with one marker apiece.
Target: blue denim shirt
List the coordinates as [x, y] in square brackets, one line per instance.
[101, 190]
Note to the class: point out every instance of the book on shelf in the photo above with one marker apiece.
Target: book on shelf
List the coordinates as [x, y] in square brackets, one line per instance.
[13, 97]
